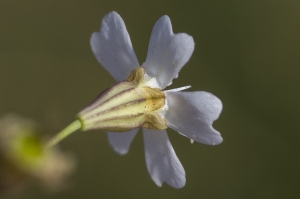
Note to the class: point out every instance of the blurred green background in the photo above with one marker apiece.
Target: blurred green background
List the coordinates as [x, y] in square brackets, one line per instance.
[247, 54]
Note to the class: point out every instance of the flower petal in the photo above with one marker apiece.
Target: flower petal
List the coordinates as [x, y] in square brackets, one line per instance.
[167, 52]
[192, 114]
[120, 142]
[112, 47]
[162, 162]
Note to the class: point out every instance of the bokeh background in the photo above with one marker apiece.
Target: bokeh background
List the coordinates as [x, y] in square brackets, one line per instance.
[247, 54]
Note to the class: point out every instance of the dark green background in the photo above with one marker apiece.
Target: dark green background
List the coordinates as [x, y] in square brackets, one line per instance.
[247, 54]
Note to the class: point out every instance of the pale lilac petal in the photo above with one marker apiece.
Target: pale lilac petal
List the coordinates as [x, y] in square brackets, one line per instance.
[112, 47]
[167, 52]
[120, 142]
[192, 114]
[162, 162]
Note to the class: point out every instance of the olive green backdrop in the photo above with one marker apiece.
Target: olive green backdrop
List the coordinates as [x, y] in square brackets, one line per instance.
[247, 54]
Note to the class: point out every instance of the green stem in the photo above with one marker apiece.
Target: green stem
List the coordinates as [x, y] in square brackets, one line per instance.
[64, 133]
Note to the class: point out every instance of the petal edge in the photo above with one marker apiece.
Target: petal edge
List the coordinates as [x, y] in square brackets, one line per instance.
[192, 114]
[162, 162]
[167, 52]
[120, 142]
[112, 47]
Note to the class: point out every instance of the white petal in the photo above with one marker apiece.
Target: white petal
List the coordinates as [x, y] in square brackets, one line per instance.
[162, 162]
[120, 142]
[167, 52]
[112, 47]
[192, 114]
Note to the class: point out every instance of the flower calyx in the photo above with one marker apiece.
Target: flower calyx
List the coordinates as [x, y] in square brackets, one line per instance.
[127, 105]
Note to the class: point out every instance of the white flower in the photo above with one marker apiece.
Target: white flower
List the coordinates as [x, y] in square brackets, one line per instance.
[189, 113]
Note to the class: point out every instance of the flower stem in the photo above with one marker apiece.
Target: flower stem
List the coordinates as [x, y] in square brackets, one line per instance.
[74, 126]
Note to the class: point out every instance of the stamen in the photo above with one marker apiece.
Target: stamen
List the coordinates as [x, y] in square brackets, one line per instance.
[178, 89]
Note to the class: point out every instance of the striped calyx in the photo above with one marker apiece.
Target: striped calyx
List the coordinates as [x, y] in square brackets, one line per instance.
[127, 105]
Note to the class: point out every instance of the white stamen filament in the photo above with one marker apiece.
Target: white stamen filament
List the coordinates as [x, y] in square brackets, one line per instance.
[178, 89]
